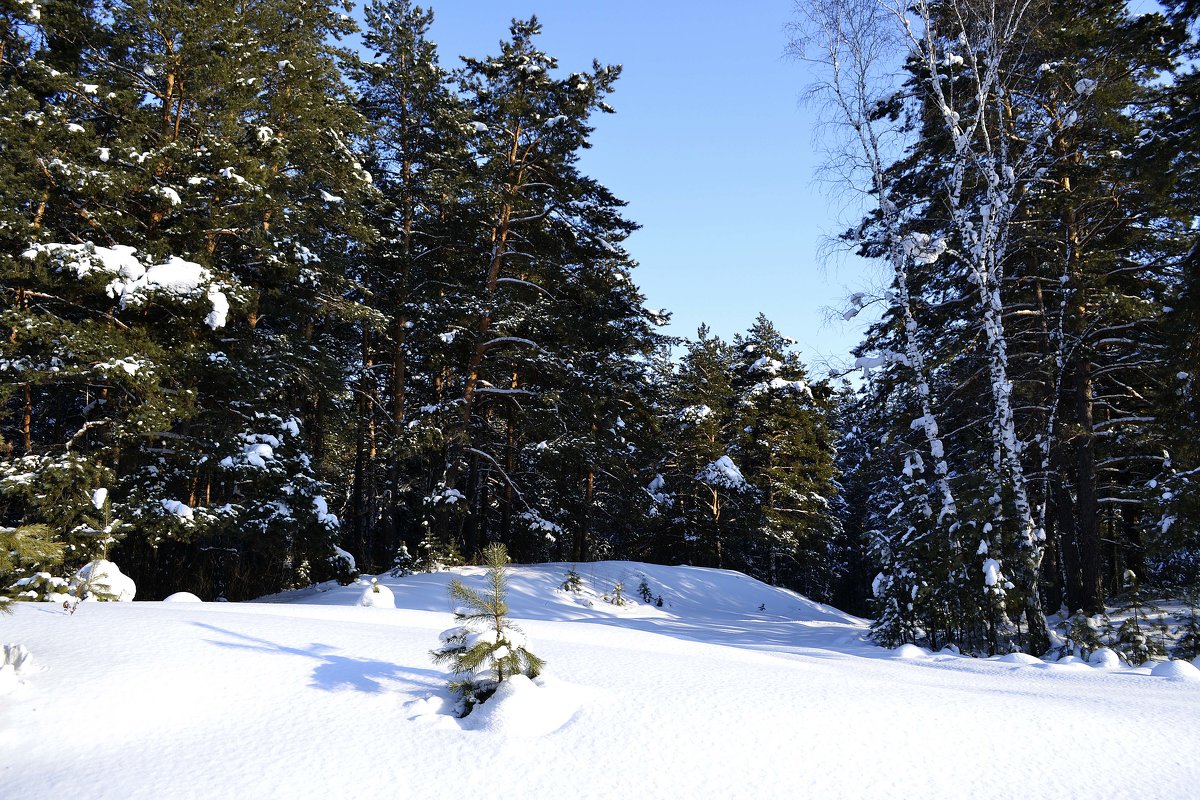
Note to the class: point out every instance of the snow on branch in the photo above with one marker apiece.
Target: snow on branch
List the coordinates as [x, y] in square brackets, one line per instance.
[505, 340]
[723, 473]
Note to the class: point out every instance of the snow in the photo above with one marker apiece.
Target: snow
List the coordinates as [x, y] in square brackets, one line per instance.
[168, 194]
[780, 385]
[1019, 658]
[321, 508]
[181, 510]
[910, 652]
[134, 282]
[305, 694]
[923, 248]
[991, 572]
[182, 597]
[725, 474]
[98, 498]
[220, 308]
[1105, 658]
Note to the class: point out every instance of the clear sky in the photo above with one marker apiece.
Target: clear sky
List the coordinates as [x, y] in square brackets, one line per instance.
[711, 148]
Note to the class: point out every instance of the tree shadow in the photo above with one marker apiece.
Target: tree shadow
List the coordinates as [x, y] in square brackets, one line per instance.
[335, 672]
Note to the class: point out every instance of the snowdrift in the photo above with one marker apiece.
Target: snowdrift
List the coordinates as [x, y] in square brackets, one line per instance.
[730, 688]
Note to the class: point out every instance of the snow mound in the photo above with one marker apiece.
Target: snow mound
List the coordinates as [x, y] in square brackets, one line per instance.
[102, 580]
[182, 597]
[525, 708]
[910, 651]
[377, 596]
[17, 662]
[1105, 658]
[1069, 664]
[1176, 670]
[1019, 658]
[437, 711]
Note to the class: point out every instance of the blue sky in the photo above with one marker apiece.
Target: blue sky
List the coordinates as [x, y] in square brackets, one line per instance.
[709, 146]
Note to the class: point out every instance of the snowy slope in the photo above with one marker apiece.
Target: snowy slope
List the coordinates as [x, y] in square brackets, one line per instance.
[309, 695]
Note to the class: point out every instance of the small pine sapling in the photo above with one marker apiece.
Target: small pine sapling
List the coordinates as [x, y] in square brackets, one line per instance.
[647, 595]
[486, 649]
[1135, 637]
[617, 595]
[572, 583]
[644, 591]
[1188, 645]
[1081, 636]
[403, 563]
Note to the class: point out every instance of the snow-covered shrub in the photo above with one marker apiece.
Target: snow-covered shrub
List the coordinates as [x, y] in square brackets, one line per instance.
[377, 596]
[345, 568]
[1176, 670]
[102, 580]
[435, 556]
[40, 586]
[18, 657]
[485, 649]
[1105, 658]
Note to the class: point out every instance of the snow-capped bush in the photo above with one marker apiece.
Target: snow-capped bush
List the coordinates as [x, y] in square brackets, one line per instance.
[41, 586]
[377, 596]
[102, 580]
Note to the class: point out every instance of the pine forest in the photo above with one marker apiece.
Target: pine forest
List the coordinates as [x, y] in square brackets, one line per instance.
[289, 296]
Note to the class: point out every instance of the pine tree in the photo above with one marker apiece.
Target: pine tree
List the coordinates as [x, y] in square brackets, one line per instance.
[417, 153]
[785, 444]
[29, 550]
[1034, 252]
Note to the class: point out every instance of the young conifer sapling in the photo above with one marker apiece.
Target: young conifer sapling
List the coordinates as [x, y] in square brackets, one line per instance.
[485, 649]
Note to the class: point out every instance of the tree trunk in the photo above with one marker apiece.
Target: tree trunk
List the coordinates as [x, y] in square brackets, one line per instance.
[1087, 515]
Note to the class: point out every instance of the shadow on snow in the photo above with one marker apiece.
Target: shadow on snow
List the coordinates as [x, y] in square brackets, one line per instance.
[334, 672]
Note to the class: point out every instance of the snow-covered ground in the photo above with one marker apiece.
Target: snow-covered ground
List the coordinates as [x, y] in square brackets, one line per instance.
[730, 689]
